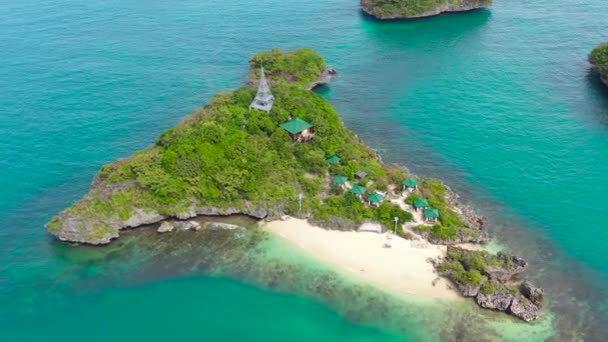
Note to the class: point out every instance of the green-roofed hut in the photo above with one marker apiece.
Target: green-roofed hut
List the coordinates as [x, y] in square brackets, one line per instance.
[375, 199]
[339, 180]
[409, 184]
[358, 190]
[430, 215]
[333, 160]
[298, 129]
[421, 203]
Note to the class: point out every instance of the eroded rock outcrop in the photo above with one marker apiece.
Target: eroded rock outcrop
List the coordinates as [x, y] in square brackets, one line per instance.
[492, 280]
[524, 309]
[533, 293]
[500, 299]
[328, 75]
[407, 9]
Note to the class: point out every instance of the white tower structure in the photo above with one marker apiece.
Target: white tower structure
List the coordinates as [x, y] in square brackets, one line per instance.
[263, 98]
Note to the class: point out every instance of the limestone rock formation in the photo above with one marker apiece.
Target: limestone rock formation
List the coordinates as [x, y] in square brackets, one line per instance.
[523, 308]
[517, 265]
[496, 301]
[491, 279]
[406, 9]
[533, 293]
[328, 75]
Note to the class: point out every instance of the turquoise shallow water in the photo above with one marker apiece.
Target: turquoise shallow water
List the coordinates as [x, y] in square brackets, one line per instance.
[501, 104]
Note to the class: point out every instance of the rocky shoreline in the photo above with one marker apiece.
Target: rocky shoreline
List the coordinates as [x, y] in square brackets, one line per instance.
[412, 10]
[493, 281]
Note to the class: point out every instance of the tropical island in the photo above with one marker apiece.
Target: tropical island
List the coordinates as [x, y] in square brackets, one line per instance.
[410, 9]
[599, 60]
[276, 151]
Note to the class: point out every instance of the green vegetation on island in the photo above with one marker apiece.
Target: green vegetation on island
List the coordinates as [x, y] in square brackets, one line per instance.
[227, 159]
[599, 59]
[398, 9]
[300, 67]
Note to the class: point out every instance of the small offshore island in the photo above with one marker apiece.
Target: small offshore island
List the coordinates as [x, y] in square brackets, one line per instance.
[599, 60]
[410, 9]
[283, 151]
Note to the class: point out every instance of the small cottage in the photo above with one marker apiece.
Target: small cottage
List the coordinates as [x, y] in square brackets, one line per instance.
[339, 180]
[430, 215]
[409, 184]
[333, 160]
[298, 129]
[360, 174]
[375, 199]
[421, 204]
[357, 190]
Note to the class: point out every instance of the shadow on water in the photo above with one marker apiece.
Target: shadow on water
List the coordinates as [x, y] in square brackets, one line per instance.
[597, 93]
[365, 16]
[447, 24]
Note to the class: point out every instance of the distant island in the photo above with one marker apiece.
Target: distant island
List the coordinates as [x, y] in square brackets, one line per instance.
[410, 9]
[274, 150]
[599, 59]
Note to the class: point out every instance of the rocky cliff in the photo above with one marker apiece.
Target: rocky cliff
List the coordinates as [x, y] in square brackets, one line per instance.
[409, 9]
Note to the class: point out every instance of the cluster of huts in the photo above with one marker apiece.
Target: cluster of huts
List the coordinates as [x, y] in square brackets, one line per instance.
[301, 130]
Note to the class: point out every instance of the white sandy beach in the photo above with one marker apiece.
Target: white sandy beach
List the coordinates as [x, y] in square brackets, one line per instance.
[402, 269]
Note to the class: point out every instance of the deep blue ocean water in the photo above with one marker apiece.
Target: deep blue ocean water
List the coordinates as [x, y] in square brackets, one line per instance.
[500, 103]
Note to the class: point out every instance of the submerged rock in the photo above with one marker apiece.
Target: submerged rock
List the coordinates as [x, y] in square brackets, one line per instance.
[219, 225]
[165, 227]
[187, 225]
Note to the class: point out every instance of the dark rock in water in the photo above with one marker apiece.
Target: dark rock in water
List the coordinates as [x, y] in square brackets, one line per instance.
[523, 308]
[533, 293]
[516, 265]
[500, 298]
[467, 290]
